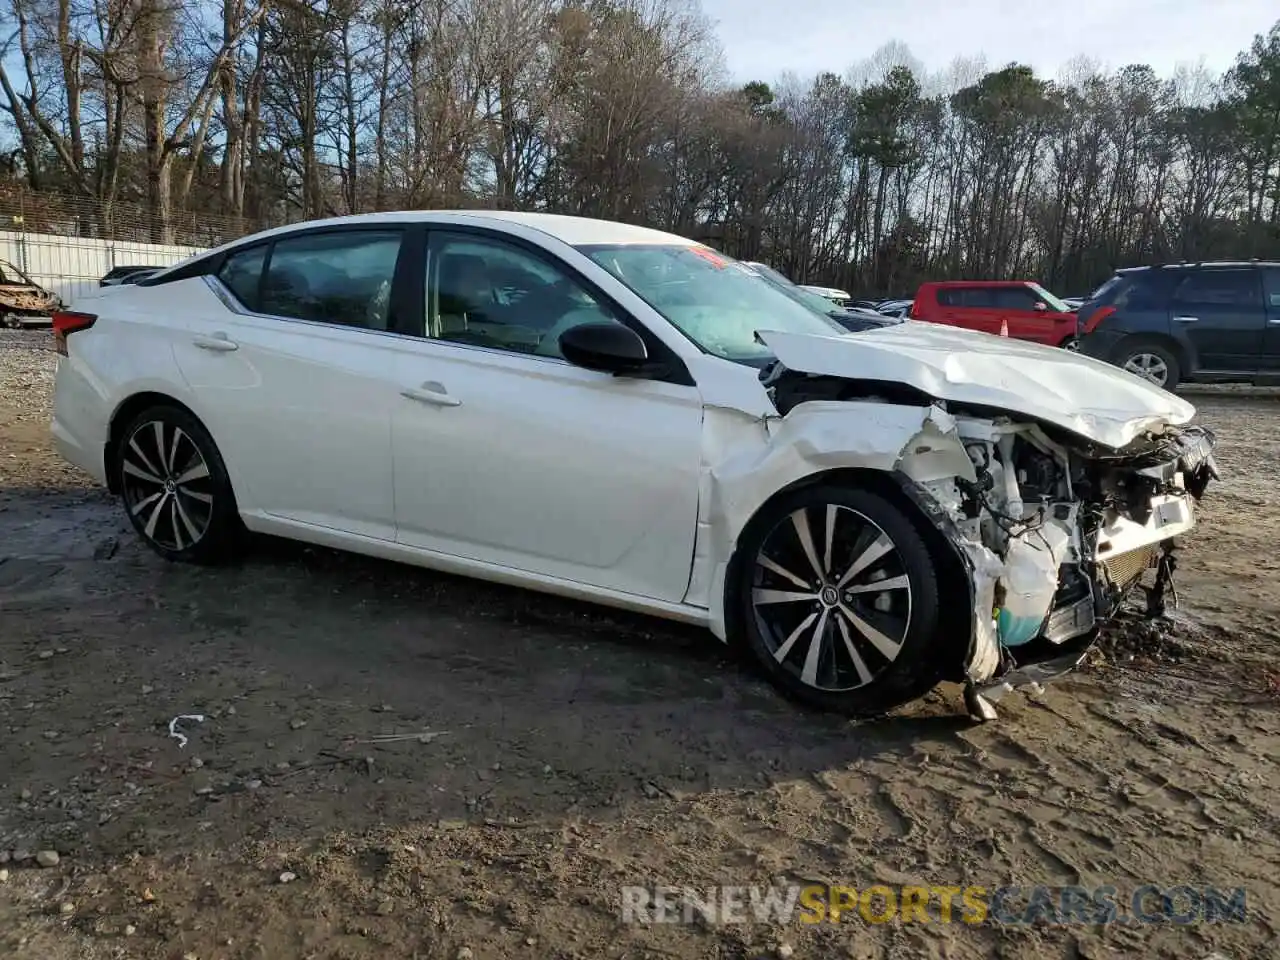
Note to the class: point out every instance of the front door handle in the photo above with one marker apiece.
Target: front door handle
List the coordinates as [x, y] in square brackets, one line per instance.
[219, 342]
[1186, 319]
[433, 393]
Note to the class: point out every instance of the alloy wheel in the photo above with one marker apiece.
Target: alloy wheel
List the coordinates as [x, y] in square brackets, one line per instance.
[831, 597]
[1149, 367]
[167, 485]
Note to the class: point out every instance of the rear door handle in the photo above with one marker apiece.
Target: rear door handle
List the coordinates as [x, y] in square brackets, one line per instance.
[1186, 319]
[219, 342]
[433, 393]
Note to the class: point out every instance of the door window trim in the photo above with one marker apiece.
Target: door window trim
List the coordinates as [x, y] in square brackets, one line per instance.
[674, 369]
[402, 281]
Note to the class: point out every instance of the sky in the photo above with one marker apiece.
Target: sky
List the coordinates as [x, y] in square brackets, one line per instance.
[764, 38]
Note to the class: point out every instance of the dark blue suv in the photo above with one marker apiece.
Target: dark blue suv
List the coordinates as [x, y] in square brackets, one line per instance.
[1202, 322]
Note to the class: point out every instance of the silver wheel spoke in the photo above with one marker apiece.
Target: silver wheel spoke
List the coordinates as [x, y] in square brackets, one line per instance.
[196, 495]
[134, 470]
[782, 571]
[150, 528]
[878, 549]
[173, 522]
[829, 537]
[146, 461]
[889, 649]
[198, 471]
[781, 653]
[760, 596]
[813, 656]
[800, 520]
[172, 462]
[186, 520]
[859, 665]
[159, 432]
[146, 502]
[889, 583]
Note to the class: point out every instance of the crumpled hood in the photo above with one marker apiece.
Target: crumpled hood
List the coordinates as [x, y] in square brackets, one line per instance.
[1088, 397]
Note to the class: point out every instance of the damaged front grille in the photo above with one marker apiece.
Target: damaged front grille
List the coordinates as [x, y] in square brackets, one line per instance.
[1125, 568]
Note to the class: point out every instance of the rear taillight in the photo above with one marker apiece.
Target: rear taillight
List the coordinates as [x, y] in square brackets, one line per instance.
[67, 322]
[1096, 318]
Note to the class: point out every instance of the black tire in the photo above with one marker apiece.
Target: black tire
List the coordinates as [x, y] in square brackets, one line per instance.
[192, 520]
[862, 520]
[1130, 353]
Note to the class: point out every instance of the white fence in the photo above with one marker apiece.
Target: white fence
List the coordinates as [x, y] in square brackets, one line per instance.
[68, 266]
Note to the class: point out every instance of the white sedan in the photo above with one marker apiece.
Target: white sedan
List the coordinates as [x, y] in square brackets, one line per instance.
[621, 415]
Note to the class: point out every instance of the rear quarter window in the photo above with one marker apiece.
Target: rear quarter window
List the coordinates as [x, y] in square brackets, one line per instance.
[242, 272]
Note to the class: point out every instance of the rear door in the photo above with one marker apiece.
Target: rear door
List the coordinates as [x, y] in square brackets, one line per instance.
[295, 376]
[1218, 314]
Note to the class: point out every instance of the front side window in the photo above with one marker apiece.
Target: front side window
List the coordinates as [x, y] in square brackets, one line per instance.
[713, 300]
[1220, 288]
[487, 293]
[343, 278]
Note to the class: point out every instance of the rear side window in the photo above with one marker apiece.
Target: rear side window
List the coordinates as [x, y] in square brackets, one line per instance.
[241, 273]
[973, 297]
[1271, 286]
[1221, 288]
[343, 278]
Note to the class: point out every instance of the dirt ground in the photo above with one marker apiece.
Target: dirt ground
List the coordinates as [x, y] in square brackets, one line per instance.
[572, 751]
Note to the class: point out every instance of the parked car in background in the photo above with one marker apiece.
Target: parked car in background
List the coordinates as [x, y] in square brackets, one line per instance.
[117, 274]
[895, 308]
[838, 297]
[1210, 322]
[23, 302]
[851, 318]
[617, 414]
[1026, 309]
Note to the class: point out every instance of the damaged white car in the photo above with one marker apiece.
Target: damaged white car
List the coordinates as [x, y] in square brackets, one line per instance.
[624, 416]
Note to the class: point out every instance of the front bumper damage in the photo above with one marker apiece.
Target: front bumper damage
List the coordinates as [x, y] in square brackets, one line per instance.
[1076, 529]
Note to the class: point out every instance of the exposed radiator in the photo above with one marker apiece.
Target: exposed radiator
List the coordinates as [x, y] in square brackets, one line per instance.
[1128, 567]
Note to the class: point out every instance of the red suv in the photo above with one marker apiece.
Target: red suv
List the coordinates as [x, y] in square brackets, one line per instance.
[1030, 311]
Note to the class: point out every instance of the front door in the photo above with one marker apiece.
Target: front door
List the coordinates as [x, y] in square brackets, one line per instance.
[507, 454]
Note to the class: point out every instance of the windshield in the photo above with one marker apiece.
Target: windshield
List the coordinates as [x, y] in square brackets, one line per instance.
[1050, 300]
[798, 294]
[712, 299]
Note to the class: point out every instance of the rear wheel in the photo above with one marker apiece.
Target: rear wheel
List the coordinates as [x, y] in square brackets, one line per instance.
[175, 487]
[1151, 360]
[837, 598]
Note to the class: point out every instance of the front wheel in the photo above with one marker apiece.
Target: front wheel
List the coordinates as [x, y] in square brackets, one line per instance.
[837, 598]
[175, 487]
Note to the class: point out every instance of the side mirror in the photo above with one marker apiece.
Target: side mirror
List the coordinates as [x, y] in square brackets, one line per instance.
[1041, 306]
[608, 347]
